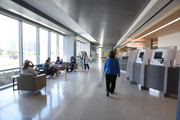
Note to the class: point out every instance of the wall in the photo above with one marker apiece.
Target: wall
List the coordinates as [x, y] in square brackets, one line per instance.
[93, 51]
[104, 52]
[169, 40]
[68, 47]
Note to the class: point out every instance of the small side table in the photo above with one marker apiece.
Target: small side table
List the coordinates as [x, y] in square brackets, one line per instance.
[14, 77]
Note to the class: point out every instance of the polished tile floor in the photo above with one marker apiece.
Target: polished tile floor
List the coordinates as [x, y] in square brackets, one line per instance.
[83, 97]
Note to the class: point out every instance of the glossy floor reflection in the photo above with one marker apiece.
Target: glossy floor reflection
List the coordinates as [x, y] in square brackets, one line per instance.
[80, 98]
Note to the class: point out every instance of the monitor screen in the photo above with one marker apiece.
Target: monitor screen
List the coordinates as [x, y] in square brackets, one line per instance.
[158, 55]
[141, 54]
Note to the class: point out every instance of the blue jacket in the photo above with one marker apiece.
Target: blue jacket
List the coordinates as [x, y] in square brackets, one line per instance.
[45, 65]
[58, 61]
[72, 62]
[111, 66]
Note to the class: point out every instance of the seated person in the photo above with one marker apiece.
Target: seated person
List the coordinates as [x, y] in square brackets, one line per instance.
[72, 62]
[58, 61]
[28, 68]
[50, 70]
[56, 67]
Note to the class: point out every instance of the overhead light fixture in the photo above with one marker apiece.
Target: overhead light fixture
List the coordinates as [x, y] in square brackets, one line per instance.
[144, 12]
[88, 37]
[35, 20]
[177, 19]
[135, 45]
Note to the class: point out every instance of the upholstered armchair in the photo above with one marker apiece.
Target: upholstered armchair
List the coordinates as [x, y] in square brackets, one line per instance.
[26, 81]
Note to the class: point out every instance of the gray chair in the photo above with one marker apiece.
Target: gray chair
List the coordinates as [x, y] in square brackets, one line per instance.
[63, 65]
[26, 81]
[75, 66]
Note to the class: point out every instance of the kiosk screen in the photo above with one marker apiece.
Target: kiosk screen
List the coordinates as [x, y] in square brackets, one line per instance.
[158, 55]
[141, 54]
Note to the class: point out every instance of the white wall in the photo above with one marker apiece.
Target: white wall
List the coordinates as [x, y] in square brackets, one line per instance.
[169, 40]
[68, 47]
[104, 49]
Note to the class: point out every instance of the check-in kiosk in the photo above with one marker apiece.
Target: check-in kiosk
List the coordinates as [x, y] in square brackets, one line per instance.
[177, 61]
[140, 56]
[174, 76]
[156, 73]
[123, 60]
[131, 60]
[143, 59]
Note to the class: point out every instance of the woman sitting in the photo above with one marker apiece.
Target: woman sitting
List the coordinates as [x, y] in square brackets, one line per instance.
[28, 68]
[72, 62]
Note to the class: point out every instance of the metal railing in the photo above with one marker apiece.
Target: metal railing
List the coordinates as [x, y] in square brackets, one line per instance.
[6, 76]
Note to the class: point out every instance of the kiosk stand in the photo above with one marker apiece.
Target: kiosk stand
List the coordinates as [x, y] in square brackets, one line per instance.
[143, 59]
[178, 104]
[173, 77]
[156, 72]
[131, 61]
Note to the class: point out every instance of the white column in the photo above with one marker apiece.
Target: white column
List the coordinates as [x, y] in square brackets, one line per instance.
[37, 46]
[49, 44]
[68, 47]
[20, 44]
[57, 45]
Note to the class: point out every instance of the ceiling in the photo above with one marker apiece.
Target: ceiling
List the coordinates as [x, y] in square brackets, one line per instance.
[104, 20]
[170, 29]
[108, 23]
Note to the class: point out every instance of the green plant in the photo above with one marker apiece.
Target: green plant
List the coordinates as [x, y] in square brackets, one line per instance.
[9, 52]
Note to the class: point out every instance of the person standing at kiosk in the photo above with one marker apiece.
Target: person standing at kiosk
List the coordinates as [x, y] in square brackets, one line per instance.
[111, 69]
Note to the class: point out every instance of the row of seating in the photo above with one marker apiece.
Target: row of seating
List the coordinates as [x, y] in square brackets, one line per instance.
[27, 82]
[43, 70]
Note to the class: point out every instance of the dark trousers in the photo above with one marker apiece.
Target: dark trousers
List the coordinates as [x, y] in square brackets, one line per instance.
[71, 68]
[51, 71]
[86, 65]
[110, 82]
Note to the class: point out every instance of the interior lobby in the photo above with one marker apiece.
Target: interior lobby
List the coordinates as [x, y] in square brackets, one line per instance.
[144, 34]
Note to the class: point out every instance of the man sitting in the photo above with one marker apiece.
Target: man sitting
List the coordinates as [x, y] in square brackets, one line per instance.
[48, 69]
[58, 61]
[72, 62]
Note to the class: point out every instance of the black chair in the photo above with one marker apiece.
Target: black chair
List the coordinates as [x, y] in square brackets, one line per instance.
[41, 68]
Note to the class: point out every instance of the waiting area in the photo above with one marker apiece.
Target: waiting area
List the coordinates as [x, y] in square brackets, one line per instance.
[83, 97]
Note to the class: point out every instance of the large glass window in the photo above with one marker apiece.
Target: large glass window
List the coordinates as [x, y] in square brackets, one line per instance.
[9, 43]
[29, 42]
[79, 48]
[43, 36]
[61, 46]
[53, 46]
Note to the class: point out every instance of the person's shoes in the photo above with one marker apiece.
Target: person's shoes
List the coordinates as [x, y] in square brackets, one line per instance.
[107, 94]
[112, 92]
[57, 75]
